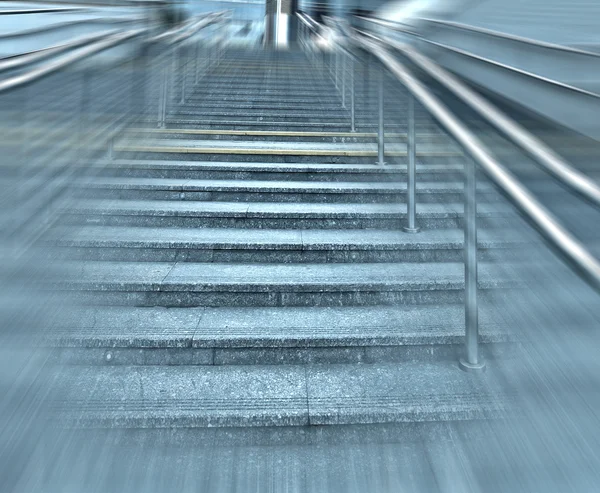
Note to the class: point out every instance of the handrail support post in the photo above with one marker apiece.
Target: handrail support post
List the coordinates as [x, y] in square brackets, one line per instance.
[471, 361]
[343, 80]
[352, 107]
[411, 182]
[380, 130]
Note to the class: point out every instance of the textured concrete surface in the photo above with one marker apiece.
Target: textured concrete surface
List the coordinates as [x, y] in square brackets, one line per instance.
[151, 396]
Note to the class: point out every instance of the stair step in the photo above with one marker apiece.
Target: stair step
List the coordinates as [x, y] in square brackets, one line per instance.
[270, 190]
[228, 396]
[166, 213]
[226, 284]
[272, 245]
[258, 336]
[223, 150]
[276, 171]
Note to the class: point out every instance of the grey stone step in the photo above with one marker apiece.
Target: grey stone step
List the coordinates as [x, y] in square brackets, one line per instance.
[272, 245]
[259, 336]
[180, 213]
[227, 396]
[271, 190]
[274, 171]
[424, 135]
[234, 123]
[184, 284]
[224, 150]
[276, 104]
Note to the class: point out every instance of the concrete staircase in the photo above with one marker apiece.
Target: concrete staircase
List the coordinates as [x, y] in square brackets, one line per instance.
[245, 266]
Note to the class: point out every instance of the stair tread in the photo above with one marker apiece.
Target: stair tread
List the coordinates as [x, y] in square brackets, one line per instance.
[228, 277]
[184, 184]
[275, 209]
[274, 167]
[265, 395]
[280, 239]
[312, 148]
[272, 327]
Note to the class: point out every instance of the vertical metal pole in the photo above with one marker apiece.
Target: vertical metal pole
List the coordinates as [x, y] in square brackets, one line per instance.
[111, 149]
[184, 68]
[380, 132]
[161, 95]
[352, 108]
[336, 67]
[343, 80]
[164, 89]
[197, 62]
[471, 361]
[411, 183]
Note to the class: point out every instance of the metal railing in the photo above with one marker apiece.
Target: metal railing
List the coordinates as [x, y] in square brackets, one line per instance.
[175, 40]
[571, 250]
[549, 160]
[93, 103]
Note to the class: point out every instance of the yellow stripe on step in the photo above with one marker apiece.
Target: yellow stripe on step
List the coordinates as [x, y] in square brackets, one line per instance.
[272, 152]
[265, 133]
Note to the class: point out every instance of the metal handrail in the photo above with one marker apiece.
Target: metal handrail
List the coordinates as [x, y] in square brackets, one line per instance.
[91, 45]
[550, 161]
[181, 33]
[67, 24]
[55, 65]
[47, 10]
[573, 251]
[29, 58]
[403, 27]
[510, 37]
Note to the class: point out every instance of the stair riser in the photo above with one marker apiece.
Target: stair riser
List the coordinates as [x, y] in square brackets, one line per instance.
[234, 123]
[433, 176]
[424, 139]
[251, 116]
[297, 114]
[279, 223]
[274, 158]
[264, 138]
[197, 254]
[368, 354]
[328, 198]
[273, 298]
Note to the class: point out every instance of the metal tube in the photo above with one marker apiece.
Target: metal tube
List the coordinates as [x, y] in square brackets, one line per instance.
[343, 80]
[183, 78]
[165, 97]
[162, 97]
[197, 63]
[352, 108]
[111, 149]
[471, 361]
[572, 250]
[336, 67]
[380, 131]
[411, 184]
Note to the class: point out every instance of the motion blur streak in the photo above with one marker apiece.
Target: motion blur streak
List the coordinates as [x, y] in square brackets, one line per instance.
[238, 254]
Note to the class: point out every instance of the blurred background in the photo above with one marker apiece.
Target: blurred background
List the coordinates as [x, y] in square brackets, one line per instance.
[285, 245]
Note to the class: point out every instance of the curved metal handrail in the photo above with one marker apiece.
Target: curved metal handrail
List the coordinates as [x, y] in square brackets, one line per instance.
[403, 27]
[181, 33]
[55, 65]
[570, 248]
[90, 45]
[468, 54]
[20, 61]
[511, 37]
[67, 24]
[549, 160]
[48, 10]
